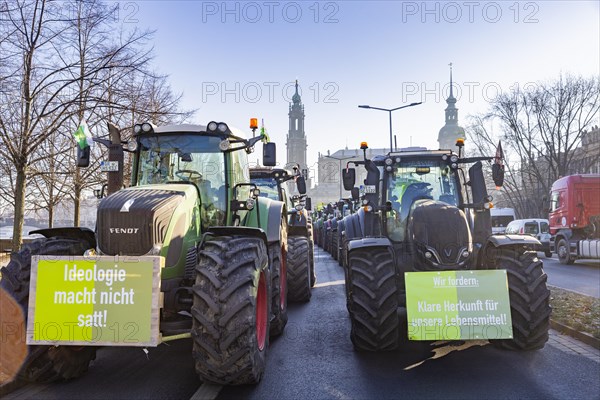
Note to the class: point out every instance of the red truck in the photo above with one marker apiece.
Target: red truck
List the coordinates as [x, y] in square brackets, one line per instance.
[574, 216]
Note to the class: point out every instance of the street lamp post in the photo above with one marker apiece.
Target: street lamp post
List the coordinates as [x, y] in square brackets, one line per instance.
[340, 170]
[390, 113]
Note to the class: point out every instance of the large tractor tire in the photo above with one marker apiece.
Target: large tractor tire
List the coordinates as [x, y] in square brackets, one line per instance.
[278, 256]
[373, 301]
[231, 309]
[42, 363]
[311, 255]
[563, 250]
[298, 269]
[324, 239]
[529, 300]
[344, 253]
[335, 240]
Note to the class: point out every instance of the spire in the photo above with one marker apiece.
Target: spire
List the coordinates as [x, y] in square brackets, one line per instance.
[296, 96]
[451, 95]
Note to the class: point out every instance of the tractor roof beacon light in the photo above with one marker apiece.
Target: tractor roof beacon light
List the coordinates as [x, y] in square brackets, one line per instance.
[363, 145]
[460, 143]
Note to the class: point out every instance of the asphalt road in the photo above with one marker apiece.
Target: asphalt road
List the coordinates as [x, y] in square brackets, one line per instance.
[314, 359]
[583, 276]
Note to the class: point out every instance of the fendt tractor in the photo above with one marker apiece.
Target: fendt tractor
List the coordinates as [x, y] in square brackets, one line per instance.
[221, 248]
[300, 268]
[422, 211]
[574, 217]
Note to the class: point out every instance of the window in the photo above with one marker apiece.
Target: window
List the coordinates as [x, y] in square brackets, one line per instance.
[186, 158]
[531, 228]
[555, 201]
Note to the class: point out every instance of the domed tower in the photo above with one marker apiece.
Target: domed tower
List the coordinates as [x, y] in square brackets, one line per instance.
[296, 138]
[451, 131]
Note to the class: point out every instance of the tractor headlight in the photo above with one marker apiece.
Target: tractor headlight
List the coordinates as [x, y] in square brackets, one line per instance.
[222, 127]
[212, 126]
[132, 145]
[388, 161]
[454, 165]
[224, 145]
[137, 128]
[454, 158]
[299, 207]
[250, 204]
[146, 127]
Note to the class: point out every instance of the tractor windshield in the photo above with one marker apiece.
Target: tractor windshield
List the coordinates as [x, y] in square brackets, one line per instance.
[268, 187]
[427, 180]
[187, 158]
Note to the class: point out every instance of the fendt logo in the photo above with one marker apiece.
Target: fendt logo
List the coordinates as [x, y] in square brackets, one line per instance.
[124, 230]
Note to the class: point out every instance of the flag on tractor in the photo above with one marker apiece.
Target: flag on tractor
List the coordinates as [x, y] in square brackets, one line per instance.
[498, 166]
[83, 135]
[263, 132]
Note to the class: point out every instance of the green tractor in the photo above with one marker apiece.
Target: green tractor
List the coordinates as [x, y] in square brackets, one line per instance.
[300, 266]
[426, 213]
[221, 249]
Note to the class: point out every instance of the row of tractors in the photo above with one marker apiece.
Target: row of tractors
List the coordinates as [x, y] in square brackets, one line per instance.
[235, 247]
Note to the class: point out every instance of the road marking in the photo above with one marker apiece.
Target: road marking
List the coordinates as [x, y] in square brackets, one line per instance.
[207, 391]
[333, 283]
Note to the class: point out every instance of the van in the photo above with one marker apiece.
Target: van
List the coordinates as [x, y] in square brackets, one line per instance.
[501, 217]
[536, 227]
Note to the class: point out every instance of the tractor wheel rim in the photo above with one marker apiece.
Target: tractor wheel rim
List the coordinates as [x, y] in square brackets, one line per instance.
[261, 312]
[283, 279]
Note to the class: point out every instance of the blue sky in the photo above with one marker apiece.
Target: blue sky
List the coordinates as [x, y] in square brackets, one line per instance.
[233, 60]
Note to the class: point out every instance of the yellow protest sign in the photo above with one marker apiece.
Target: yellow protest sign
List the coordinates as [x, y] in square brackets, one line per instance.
[451, 305]
[94, 300]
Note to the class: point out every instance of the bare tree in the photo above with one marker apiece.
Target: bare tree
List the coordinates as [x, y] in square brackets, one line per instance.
[541, 129]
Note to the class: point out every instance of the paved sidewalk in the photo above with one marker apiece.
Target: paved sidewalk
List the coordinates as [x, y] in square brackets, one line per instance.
[571, 345]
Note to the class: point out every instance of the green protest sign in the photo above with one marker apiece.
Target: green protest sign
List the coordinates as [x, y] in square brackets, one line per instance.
[449, 305]
[94, 301]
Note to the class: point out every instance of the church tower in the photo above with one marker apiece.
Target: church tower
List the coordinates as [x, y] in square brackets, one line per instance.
[451, 131]
[296, 138]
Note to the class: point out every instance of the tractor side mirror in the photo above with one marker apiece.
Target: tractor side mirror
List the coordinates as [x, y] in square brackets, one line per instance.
[83, 156]
[269, 154]
[349, 178]
[355, 193]
[498, 174]
[301, 184]
[478, 183]
[308, 204]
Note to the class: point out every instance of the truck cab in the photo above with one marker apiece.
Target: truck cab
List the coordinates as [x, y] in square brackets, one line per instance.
[574, 216]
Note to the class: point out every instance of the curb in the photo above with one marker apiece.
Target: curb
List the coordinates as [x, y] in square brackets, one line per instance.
[581, 336]
[9, 387]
